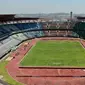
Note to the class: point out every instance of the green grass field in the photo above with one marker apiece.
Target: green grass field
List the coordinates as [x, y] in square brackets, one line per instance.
[55, 53]
[6, 76]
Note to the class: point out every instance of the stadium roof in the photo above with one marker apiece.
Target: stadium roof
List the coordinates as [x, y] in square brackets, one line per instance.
[80, 18]
[6, 17]
[11, 17]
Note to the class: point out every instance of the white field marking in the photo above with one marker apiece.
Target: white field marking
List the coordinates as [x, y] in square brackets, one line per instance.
[38, 41]
[9, 59]
[23, 58]
[79, 41]
[84, 70]
[81, 44]
[24, 55]
[13, 77]
[59, 73]
[27, 53]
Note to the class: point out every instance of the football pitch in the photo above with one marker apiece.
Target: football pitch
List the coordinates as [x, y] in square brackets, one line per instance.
[55, 53]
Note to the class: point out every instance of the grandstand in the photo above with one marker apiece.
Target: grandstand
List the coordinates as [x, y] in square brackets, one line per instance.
[14, 31]
[8, 32]
[11, 29]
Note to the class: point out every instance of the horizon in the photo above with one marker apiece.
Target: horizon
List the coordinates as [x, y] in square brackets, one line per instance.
[40, 13]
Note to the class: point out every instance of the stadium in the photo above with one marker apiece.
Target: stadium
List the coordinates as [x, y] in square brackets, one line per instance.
[39, 51]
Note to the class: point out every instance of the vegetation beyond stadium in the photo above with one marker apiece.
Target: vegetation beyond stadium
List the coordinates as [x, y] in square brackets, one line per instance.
[55, 53]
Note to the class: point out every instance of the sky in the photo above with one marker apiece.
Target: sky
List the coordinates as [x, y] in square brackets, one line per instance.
[41, 6]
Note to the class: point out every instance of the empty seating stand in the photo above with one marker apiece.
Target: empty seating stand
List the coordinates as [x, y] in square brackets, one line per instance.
[11, 34]
[12, 38]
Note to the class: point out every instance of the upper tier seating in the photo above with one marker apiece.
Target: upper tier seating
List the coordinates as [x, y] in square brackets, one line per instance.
[29, 26]
[8, 29]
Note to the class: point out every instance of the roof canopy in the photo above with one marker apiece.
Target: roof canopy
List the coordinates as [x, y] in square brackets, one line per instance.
[80, 18]
[11, 17]
[6, 17]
